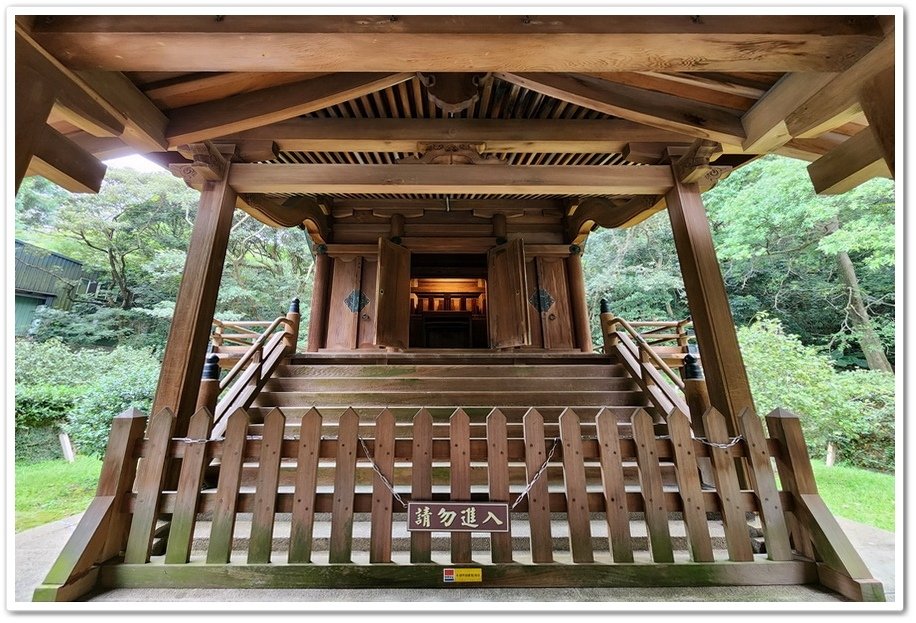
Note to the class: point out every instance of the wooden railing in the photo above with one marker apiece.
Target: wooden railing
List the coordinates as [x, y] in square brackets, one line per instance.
[803, 541]
[662, 385]
[239, 387]
[656, 332]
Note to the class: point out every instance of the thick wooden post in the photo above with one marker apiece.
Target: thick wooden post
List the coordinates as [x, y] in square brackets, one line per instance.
[34, 99]
[608, 327]
[321, 289]
[183, 361]
[291, 337]
[208, 395]
[726, 378]
[579, 308]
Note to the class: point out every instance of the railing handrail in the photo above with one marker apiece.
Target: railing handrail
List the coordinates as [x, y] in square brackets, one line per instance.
[256, 347]
[647, 348]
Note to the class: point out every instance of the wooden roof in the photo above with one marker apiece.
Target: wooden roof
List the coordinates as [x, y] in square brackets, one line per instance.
[572, 106]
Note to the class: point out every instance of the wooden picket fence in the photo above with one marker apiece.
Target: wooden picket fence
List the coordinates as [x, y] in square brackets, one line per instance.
[113, 546]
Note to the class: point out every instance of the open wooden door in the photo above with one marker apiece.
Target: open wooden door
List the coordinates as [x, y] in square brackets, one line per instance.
[392, 296]
[506, 292]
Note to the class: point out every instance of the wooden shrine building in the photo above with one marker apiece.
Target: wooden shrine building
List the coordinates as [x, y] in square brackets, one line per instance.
[448, 172]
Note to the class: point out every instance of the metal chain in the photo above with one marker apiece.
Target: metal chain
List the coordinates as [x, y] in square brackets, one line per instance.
[384, 478]
[537, 474]
[715, 444]
[190, 441]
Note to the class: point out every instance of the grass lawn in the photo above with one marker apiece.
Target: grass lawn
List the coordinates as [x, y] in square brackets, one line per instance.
[857, 494]
[52, 490]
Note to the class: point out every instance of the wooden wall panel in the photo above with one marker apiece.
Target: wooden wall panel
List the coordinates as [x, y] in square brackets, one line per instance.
[534, 316]
[556, 319]
[342, 323]
[367, 316]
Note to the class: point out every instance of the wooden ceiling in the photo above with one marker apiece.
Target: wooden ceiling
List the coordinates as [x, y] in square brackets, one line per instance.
[572, 106]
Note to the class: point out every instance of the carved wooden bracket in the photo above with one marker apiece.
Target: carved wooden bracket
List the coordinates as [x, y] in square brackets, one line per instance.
[693, 166]
[595, 212]
[451, 153]
[207, 162]
[453, 92]
[293, 212]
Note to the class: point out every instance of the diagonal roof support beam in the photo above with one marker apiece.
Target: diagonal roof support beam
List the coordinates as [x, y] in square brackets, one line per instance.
[246, 111]
[660, 110]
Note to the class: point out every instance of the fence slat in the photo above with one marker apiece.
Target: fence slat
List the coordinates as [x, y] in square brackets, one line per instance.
[260, 542]
[421, 486]
[341, 545]
[650, 483]
[762, 480]
[303, 516]
[580, 534]
[538, 498]
[193, 464]
[796, 479]
[688, 484]
[737, 537]
[150, 478]
[498, 480]
[227, 489]
[382, 499]
[459, 432]
[615, 495]
[117, 477]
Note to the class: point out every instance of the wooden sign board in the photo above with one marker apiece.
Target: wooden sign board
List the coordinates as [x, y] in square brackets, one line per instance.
[457, 517]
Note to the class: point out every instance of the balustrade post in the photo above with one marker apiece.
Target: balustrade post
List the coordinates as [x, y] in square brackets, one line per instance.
[291, 337]
[209, 385]
[608, 327]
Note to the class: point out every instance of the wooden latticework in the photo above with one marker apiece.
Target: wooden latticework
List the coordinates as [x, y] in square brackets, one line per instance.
[611, 488]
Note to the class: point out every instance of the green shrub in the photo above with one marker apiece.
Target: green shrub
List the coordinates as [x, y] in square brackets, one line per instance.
[42, 406]
[130, 383]
[52, 363]
[854, 410]
[34, 445]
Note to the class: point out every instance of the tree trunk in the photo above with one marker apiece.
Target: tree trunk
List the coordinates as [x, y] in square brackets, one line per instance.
[868, 339]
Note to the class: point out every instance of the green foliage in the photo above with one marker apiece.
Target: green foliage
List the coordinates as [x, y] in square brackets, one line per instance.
[34, 445]
[39, 406]
[129, 380]
[52, 490]
[855, 410]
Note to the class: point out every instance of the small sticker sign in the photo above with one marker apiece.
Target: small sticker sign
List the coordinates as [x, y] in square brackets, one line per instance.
[457, 517]
[462, 575]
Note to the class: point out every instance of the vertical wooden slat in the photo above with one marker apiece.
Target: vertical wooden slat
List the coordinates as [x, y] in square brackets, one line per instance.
[760, 474]
[650, 483]
[421, 487]
[688, 483]
[795, 479]
[150, 477]
[227, 489]
[265, 499]
[615, 495]
[580, 534]
[341, 545]
[737, 536]
[382, 499]
[459, 432]
[498, 480]
[303, 516]
[192, 474]
[538, 499]
[117, 476]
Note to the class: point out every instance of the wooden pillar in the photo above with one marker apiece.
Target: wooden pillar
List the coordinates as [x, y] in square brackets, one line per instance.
[321, 289]
[578, 306]
[500, 228]
[183, 361]
[877, 100]
[726, 378]
[34, 99]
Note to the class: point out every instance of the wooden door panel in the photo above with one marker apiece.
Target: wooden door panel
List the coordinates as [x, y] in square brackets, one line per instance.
[534, 314]
[365, 330]
[506, 295]
[553, 291]
[392, 296]
[345, 303]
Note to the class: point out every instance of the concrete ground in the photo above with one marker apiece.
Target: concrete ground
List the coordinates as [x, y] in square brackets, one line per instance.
[36, 550]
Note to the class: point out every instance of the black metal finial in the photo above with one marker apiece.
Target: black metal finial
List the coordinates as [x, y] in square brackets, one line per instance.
[692, 368]
[211, 368]
[294, 306]
[605, 307]
[575, 249]
[321, 249]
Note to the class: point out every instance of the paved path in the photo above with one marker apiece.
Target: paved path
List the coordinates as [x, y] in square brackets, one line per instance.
[36, 550]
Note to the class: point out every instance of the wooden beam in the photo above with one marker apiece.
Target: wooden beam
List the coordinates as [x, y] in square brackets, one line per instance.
[102, 148]
[144, 122]
[183, 360]
[251, 110]
[72, 96]
[203, 87]
[293, 212]
[660, 110]
[584, 43]
[857, 160]
[454, 205]
[423, 178]
[34, 100]
[765, 122]
[838, 101]
[726, 378]
[59, 160]
[877, 99]
[497, 135]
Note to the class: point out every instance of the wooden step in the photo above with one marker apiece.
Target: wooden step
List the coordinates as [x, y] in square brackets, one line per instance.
[514, 414]
[453, 357]
[446, 384]
[452, 398]
[481, 370]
